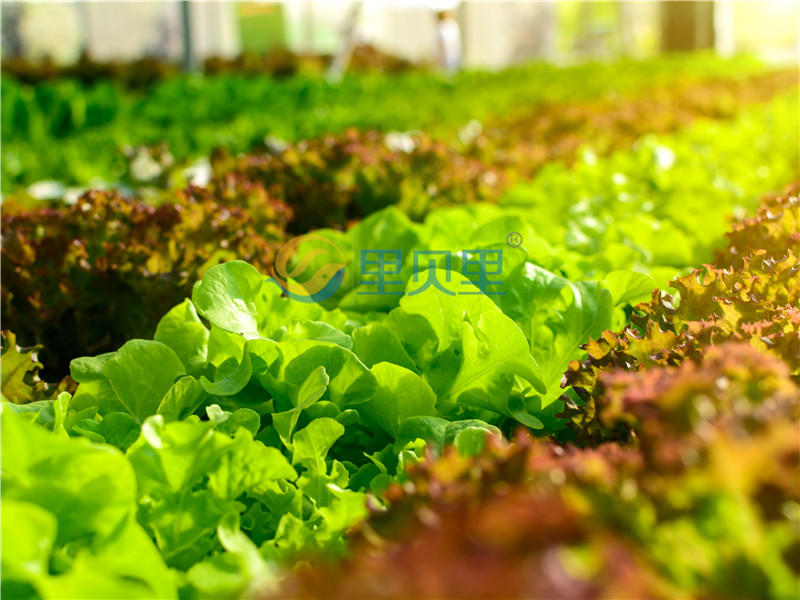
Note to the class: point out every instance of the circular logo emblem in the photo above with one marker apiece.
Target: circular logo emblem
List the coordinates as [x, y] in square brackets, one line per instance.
[319, 265]
[514, 239]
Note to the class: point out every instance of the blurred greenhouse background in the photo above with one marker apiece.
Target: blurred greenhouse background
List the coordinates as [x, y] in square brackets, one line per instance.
[493, 34]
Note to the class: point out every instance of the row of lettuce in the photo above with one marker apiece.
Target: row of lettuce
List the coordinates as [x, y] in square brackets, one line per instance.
[84, 278]
[682, 480]
[253, 431]
[142, 74]
[63, 131]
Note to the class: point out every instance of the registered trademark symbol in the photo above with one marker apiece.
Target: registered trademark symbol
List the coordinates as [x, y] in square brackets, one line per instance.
[514, 239]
